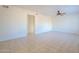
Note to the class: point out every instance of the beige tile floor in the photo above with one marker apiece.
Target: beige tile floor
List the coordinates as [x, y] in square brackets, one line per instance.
[46, 43]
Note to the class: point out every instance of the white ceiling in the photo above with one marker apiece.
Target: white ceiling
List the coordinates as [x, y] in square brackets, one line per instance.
[52, 9]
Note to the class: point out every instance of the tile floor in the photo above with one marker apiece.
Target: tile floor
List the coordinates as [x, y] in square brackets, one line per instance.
[51, 42]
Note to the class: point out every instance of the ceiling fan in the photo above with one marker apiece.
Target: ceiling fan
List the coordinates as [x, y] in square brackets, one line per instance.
[60, 13]
[5, 6]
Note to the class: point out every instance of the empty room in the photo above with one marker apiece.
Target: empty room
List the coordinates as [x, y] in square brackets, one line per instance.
[39, 28]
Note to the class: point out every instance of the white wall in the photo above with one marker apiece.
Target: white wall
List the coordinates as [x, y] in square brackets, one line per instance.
[66, 23]
[43, 24]
[14, 22]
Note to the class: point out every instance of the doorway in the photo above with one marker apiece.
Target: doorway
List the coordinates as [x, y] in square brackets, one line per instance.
[31, 24]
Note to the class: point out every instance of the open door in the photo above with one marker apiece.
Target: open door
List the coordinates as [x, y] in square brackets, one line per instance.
[31, 24]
